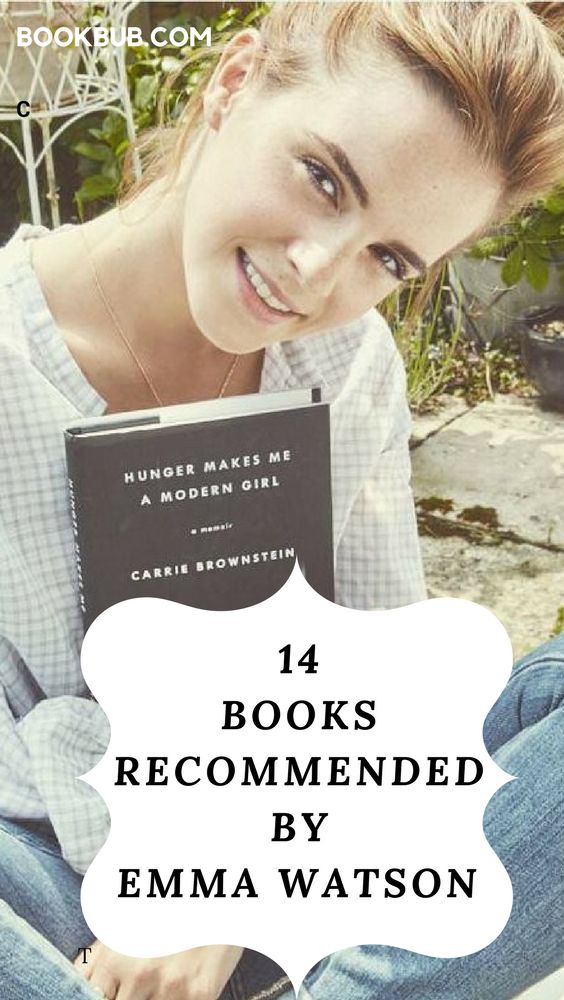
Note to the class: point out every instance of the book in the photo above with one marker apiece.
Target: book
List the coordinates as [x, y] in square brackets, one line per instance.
[208, 504]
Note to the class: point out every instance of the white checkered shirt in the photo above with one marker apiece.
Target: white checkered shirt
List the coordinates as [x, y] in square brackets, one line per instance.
[49, 731]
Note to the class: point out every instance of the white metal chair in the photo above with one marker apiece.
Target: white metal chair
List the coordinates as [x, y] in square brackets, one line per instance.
[60, 84]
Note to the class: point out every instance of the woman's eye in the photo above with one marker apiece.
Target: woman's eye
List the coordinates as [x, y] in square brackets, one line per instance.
[322, 179]
[390, 261]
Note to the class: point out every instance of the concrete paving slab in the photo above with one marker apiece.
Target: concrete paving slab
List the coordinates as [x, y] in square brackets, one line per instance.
[448, 409]
[504, 455]
[522, 584]
[489, 487]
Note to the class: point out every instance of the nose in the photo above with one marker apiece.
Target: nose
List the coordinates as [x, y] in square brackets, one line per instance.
[317, 263]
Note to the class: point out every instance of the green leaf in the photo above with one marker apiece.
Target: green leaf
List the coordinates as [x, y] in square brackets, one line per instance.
[94, 187]
[226, 19]
[512, 270]
[257, 12]
[536, 270]
[547, 227]
[489, 246]
[554, 203]
[93, 151]
[151, 64]
[122, 147]
[146, 89]
[112, 172]
[143, 120]
[113, 128]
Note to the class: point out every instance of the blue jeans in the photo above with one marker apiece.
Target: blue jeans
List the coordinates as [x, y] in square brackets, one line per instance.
[42, 926]
[41, 922]
[524, 822]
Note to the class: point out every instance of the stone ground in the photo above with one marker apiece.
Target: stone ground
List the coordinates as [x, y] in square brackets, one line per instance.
[489, 488]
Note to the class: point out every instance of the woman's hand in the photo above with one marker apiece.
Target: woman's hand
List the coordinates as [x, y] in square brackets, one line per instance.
[198, 974]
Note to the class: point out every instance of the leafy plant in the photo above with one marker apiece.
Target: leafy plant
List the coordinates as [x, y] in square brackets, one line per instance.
[440, 355]
[482, 371]
[529, 243]
[428, 340]
[160, 80]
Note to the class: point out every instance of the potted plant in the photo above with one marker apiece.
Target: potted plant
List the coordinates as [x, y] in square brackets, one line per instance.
[518, 268]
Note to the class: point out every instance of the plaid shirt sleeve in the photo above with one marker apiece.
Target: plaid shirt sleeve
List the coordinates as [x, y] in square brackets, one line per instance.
[65, 737]
[378, 560]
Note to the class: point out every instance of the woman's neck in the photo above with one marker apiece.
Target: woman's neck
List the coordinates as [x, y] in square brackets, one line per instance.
[117, 289]
[135, 250]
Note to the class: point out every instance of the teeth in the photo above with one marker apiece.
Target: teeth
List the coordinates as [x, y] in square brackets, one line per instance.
[261, 288]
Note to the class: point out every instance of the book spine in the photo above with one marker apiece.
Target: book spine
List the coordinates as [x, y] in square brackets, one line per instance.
[75, 505]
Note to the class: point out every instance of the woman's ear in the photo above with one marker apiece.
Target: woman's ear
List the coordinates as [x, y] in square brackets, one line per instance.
[231, 75]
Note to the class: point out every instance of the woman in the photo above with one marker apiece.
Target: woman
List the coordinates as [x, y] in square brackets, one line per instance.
[342, 149]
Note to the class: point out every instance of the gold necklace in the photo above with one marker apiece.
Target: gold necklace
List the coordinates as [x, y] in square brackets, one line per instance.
[127, 343]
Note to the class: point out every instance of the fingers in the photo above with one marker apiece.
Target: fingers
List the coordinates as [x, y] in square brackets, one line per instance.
[104, 992]
[102, 980]
[141, 986]
[197, 974]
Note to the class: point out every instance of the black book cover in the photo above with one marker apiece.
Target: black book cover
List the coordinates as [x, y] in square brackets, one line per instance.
[211, 513]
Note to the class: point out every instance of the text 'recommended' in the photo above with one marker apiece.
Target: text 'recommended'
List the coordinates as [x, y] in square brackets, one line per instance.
[296, 777]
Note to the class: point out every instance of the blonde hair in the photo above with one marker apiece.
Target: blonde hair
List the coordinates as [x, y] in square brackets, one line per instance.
[498, 66]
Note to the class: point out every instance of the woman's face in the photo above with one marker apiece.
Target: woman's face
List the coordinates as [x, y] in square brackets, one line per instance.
[307, 205]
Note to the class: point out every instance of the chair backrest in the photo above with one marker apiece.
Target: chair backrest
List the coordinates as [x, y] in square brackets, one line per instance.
[55, 78]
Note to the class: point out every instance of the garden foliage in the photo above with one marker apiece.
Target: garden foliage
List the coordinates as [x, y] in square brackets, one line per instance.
[160, 82]
[530, 243]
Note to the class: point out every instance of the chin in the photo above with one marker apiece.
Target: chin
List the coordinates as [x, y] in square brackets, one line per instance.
[227, 338]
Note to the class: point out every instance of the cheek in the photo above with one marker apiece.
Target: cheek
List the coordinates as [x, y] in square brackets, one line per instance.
[360, 288]
[226, 223]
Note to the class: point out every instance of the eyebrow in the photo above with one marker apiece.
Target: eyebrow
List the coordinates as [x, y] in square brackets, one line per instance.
[345, 166]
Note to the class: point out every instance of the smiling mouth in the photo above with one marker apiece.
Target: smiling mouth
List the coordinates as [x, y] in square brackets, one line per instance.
[262, 288]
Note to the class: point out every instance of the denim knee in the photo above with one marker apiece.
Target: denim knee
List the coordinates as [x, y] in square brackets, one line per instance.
[534, 690]
[40, 886]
